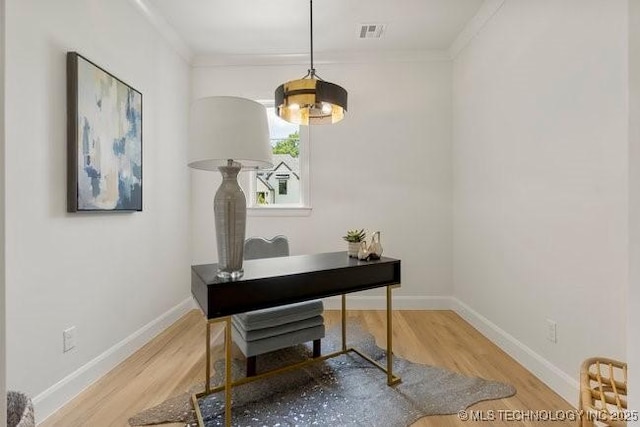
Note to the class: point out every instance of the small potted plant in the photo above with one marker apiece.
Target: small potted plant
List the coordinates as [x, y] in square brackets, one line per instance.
[354, 239]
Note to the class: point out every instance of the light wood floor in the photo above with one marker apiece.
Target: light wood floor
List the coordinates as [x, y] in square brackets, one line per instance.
[174, 361]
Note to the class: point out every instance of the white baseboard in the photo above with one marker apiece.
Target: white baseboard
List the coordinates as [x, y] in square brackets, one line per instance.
[558, 380]
[400, 302]
[56, 396]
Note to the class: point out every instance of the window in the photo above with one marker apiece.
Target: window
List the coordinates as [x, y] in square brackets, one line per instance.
[286, 185]
[282, 187]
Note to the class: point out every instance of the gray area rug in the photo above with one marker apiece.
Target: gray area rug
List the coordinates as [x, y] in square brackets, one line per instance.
[343, 391]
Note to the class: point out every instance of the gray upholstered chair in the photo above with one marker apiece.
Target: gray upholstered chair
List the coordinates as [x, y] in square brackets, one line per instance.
[262, 331]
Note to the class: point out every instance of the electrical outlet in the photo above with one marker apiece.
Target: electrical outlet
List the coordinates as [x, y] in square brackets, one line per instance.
[68, 339]
[552, 331]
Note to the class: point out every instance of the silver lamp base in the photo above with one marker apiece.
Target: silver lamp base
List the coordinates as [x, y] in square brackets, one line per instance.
[231, 276]
[230, 211]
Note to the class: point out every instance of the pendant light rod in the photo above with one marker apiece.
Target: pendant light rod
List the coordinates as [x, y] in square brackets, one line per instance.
[312, 70]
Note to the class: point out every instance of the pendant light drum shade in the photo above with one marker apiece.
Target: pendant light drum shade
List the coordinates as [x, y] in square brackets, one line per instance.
[311, 101]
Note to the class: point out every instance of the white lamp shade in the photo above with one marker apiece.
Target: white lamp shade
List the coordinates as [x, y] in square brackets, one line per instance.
[224, 128]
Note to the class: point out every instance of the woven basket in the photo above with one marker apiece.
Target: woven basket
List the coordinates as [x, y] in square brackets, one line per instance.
[603, 392]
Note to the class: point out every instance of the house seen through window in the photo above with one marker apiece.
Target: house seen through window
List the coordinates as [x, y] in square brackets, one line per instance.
[282, 184]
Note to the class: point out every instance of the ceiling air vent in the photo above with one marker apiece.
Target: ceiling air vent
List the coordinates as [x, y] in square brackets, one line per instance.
[371, 31]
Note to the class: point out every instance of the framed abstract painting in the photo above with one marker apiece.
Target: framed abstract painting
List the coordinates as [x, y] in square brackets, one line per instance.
[104, 126]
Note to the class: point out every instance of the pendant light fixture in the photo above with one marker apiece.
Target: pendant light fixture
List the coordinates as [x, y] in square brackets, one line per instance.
[311, 100]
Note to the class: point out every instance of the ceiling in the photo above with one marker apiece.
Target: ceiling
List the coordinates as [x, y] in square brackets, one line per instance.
[277, 27]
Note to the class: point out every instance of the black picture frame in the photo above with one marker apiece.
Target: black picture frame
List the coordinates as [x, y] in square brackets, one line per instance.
[104, 140]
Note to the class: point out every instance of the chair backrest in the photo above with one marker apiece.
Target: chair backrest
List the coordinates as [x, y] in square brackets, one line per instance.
[257, 247]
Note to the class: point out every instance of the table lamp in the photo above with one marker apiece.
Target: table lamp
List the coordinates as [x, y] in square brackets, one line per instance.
[229, 134]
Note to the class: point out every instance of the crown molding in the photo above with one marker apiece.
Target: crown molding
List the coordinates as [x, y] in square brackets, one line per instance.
[360, 57]
[485, 13]
[158, 21]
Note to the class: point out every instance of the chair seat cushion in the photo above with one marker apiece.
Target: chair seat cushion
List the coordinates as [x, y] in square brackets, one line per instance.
[258, 334]
[253, 348]
[276, 316]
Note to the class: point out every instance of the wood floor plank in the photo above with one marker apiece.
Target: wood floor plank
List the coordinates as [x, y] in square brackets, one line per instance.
[173, 361]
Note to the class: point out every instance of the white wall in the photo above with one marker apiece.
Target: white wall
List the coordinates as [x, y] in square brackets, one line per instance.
[107, 274]
[633, 337]
[540, 181]
[386, 167]
[3, 400]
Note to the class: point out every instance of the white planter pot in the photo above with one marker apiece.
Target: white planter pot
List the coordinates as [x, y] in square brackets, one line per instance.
[353, 249]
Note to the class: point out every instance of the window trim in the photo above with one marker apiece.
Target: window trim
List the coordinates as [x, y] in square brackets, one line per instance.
[290, 209]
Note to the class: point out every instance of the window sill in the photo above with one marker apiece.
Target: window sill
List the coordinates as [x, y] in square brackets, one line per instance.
[279, 211]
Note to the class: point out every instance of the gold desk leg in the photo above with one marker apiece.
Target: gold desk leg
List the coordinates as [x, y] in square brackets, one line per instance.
[390, 379]
[227, 374]
[344, 322]
[228, 381]
[207, 379]
[227, 365]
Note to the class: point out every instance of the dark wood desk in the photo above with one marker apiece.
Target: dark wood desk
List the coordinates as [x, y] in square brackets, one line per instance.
[277, 281]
